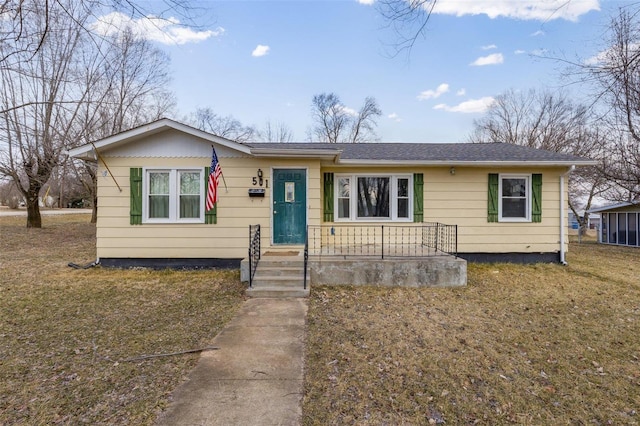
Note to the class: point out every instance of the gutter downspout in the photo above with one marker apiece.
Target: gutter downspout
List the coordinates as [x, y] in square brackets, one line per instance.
[563, 216]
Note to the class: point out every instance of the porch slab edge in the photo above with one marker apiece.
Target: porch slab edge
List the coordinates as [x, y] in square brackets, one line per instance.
[441, 271]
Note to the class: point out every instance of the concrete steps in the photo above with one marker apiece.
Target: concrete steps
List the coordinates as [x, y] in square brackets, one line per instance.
[279, 277]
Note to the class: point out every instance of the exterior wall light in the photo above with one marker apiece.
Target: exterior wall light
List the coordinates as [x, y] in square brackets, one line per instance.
[452, 170]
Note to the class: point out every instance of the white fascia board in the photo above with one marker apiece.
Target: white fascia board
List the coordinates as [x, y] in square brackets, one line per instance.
[468, 163]
[611, 207]
[329, 154]
[86, 151]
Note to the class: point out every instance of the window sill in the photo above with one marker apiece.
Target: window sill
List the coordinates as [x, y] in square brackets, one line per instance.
[374, 220]
[172, 222]
[514, 220]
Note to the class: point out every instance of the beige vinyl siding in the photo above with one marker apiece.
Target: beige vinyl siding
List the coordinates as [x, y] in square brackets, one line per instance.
[236, 210]
[461, 199]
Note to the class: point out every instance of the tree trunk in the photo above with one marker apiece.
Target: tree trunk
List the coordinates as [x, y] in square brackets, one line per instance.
[34, 219]
[94, 210]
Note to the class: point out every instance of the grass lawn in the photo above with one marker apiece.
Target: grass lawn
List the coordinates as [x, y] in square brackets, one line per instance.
[65, 334]
[535, 345]
[540, 344]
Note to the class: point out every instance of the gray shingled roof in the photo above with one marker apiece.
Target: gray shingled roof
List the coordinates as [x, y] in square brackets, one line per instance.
[436, 152]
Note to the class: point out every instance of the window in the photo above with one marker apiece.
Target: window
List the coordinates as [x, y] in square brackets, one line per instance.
[514, 198]
[344, 200]
[613, 227]
[159, 195]
[373, 197]
[622, 228]
[173, 195]
[361, 197]
[403, 198]
[633, 229]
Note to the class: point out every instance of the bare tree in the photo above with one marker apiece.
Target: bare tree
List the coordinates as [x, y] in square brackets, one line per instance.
[275, 132]
[19, 39]
[330, 116]
[72, 90]
[224, 126]
[363, 125]
[36, 132]
[130, 90]
[407, 18]
[550, 121]
[336, 123]
[616, 72]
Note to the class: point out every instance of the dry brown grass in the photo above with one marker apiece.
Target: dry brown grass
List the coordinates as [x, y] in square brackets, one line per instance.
[536, 345]
[64, 333]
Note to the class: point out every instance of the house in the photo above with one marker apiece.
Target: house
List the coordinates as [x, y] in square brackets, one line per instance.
[620, 224]
[593, 220]
[479, 202]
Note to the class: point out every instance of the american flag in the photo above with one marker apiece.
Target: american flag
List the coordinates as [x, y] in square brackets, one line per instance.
[214, 178]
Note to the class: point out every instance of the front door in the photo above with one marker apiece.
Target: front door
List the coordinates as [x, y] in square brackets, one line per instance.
[289, 206]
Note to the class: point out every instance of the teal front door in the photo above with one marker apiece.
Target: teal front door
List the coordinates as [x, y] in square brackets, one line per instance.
[289, 206]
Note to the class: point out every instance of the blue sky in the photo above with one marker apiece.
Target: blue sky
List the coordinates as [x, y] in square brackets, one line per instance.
[265, 60]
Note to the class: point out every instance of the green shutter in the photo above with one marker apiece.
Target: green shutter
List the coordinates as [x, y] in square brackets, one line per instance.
[328, 197]
[418, 197]
[536, 191]
[211, 216]
[492, 213]
[135, 204]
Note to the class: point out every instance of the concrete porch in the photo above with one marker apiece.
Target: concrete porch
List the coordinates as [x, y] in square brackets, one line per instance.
[281, 274]
[408, 255]
[435, 271]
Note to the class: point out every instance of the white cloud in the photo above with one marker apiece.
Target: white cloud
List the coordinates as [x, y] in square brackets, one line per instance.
[519, 52]
[165, 31]
[537, 33]
[521, 9]
[493, 59]
[461, 92]
[260, 50]
[489, 47]
[352, 112]
[598, 58]
[432, 94]
[470, 106]
[539, 52]
[609, 56]
[366, 2]
[393, 116]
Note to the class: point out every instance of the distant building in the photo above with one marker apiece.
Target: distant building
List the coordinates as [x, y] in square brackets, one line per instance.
[593, 221]
[620, 224]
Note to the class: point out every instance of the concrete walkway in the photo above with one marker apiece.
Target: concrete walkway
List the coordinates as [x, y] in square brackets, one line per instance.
[255, 377]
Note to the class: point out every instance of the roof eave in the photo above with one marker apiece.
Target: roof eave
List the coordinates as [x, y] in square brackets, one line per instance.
[81, 152]
[450, 163]
[323, 154]
[613, 207]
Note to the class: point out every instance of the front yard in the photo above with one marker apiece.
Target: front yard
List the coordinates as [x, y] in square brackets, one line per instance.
[541, 344]
[65, 333]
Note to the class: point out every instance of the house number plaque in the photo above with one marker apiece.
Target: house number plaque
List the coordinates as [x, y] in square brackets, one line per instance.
[259, 180]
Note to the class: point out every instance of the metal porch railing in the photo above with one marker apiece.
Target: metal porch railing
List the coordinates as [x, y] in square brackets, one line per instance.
[383, 241]
[254, 251]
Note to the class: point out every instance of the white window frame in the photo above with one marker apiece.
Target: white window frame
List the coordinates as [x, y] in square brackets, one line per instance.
[528, 192]
[393, 199]
[174, 195]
